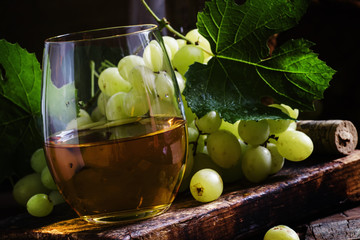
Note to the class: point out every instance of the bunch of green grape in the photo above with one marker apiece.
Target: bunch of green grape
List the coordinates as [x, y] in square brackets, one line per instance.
[37, 191]
[138, 85]
[253, 150]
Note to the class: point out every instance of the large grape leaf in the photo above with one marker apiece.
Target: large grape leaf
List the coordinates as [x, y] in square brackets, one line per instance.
[20, 95]
[242, 71]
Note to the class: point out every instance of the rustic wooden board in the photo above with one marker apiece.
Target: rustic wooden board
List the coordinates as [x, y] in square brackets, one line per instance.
[343, 225]
[299, 191]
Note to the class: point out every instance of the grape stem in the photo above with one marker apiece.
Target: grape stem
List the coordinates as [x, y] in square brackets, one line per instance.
[164, 23]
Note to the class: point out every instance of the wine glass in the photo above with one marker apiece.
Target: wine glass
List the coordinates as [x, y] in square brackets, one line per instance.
[113, 121]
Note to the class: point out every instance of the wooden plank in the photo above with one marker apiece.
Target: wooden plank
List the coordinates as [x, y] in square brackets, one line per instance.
[299, 191]
[343, 225]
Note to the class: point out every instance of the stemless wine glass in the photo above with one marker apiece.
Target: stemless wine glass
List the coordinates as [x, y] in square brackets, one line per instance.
[114, 126]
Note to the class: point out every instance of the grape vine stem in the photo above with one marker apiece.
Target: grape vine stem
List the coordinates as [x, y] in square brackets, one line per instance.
[164, 23]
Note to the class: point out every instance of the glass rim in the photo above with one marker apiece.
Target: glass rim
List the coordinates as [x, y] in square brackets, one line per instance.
[63, 37]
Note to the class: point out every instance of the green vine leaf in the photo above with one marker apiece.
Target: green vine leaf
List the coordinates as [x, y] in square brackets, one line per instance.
[20, 95]
[242, 71]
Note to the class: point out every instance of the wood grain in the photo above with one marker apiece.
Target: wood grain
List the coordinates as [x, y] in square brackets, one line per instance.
[299, 191]
[343, 225]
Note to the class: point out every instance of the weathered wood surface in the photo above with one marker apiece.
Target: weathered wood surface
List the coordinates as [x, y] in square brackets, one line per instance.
[343, 225]
[301, 190]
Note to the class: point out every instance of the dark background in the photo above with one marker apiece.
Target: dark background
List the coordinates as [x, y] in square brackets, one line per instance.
[334, 25]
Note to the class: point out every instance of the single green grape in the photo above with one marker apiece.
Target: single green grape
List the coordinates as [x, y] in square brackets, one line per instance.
[127, 63]
[38, 161]
[186, 56]
[114, 106]
[28, 186]
[82, 120]
[277, 161]
[181, 42]
[135, 104]
[201, 144]
[180, 81]
[194, 36]
[171, 44]
[47, 179]
[153, 56]
[281, 232]
[142, 80]
[164, 86]
[224, 148]
[193, 134]
[101, 103]
[278, 125]
[111, 82]
[56, 197]
[96, 115]
[294, 145]
[254, 132]
[206, 185]
[256, 163]
[39, 205]
[209, 123]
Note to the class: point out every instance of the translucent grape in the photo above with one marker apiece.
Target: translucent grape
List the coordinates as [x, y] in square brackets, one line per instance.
[28, 186]
[38, 161]
[101, 103]
[278, 125]
[256, 163]
[194, 36]
[164, 86]
[39, 205]
[224, 148]
[96, 115]
[294, 145]
[181, 42]
[193, 134]
[114, 107]
[55, 197]
[277, 161]
[82, 119]
[127, 63]
[281, 232]
[201, 144]
[206, 185]
[142, 79]
[209, 123]
[135, 104]
[171, 44]
[153, 56]
[47, 179]
[254, 132]
[111, 82]
[186, 56]
[180, 81]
